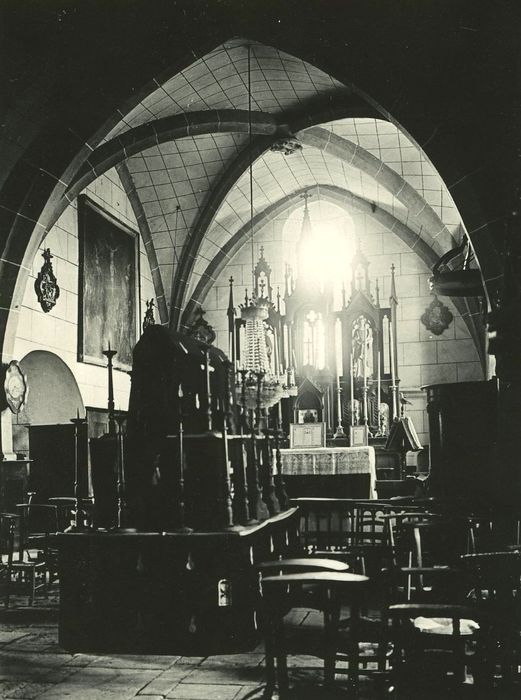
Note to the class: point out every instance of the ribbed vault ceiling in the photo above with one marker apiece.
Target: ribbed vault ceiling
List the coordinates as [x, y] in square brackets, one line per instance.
[193, 191]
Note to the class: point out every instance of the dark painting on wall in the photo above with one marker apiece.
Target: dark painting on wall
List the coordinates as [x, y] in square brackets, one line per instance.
[107, 286]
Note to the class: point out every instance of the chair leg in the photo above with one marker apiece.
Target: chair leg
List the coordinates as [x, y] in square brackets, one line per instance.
[353, 644]
[270, 662]
[282, 675]
[33, 588]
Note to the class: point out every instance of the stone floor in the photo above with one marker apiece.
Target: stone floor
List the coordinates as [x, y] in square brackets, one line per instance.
[32, 665]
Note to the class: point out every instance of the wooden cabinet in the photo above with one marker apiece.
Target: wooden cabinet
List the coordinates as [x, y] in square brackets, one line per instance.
[463, 434]
[14, 480]
[51, 448]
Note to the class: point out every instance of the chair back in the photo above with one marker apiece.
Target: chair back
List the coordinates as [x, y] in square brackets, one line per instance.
[327, 524]
[38, 522]
[8, 526]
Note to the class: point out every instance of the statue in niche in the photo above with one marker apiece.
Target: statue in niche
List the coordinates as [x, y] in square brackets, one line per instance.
[362, 345]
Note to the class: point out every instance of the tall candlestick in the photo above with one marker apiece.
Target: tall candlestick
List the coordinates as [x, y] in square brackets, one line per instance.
[109, 354]
[79, 517]
[364, 358]
[208, 369]
[394, 388]
[352, 381]
[352, 387]
[391, 346]
[379, 393]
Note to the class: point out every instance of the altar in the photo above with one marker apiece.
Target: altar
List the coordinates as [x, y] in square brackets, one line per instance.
[330, 472]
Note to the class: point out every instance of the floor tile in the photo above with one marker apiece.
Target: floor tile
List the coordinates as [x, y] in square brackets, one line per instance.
[200, 691]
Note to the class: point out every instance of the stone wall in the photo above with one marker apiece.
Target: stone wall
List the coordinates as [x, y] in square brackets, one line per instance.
[57, 331]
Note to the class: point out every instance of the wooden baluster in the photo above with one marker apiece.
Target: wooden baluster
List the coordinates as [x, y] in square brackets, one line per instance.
[258, 508]
[280, 486]
[269, 493]
[226, 413]
[241, 503]
[121, 485]
[182, 527]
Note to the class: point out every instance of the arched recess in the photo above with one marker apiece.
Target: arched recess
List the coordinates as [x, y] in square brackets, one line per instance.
[53, 395]
[468, 308]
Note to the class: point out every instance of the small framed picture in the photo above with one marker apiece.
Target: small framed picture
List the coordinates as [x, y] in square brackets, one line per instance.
[358, 435]
[304, 435]
[307, 415]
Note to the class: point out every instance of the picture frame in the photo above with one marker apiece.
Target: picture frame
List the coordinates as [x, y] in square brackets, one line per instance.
[307, 435]
[108, 284]
[358, 435]
[307, 415]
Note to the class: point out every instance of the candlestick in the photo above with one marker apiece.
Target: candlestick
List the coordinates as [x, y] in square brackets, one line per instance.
[79, 516]
[339, 428]
[122, 505]
[109, 354]
[208, 391]
[391, 346]
[379, 381]
[394, 387]
[352, 395]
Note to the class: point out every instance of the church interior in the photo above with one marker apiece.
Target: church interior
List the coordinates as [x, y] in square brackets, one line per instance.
[260, 281]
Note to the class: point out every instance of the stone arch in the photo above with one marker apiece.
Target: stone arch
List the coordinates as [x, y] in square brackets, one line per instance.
[467, 308]
[53, 395]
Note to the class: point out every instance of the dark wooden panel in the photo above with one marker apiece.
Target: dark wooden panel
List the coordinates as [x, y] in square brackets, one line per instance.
[463, 434]
[51, 448]
[328, 486]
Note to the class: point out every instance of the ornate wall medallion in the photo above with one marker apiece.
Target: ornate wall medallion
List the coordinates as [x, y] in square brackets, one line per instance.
[46, 284]
[15, 386]
[436, 317]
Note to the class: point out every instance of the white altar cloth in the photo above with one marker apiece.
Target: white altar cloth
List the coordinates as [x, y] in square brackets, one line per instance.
[326, 461]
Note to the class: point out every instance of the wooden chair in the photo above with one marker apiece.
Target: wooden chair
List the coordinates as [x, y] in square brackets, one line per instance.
[495, 580]
[18, 574]
[284, 637]
[434, 647]
[38, 522]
